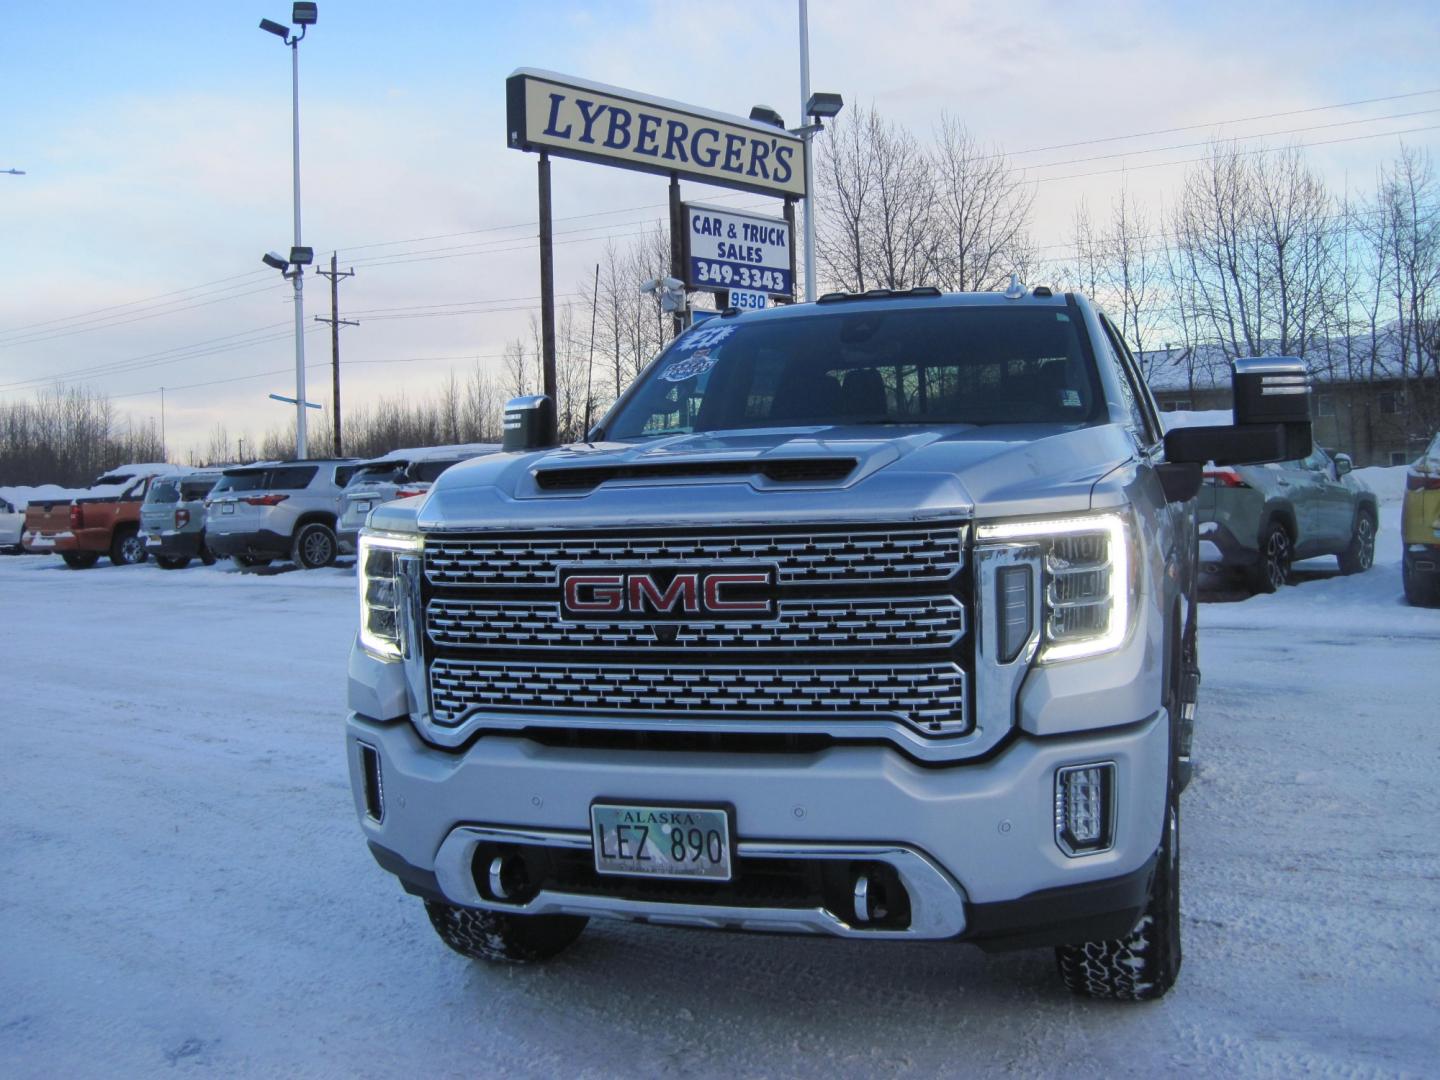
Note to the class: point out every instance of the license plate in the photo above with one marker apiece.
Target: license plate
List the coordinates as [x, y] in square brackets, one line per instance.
[364, 507]
[661, 841]
[227, 508]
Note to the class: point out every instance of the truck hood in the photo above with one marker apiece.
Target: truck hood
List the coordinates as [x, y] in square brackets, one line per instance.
[810, 474]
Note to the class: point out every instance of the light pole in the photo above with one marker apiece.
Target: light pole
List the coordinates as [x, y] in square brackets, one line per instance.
[303, 16]
[13, 172]
[819, 108]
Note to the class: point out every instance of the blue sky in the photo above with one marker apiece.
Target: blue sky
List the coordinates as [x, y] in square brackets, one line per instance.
[156, 143]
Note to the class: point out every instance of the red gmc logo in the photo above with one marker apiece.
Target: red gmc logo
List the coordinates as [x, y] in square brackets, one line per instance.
[696, 594]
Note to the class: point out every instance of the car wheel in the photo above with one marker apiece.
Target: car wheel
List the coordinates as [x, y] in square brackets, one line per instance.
[500, 936]
[80, 560]
[250, 562]
[315, 546]
[172, 562]
[206, 555]
[1360, 555]
[127, 549]
[1272, 571]
[1144, 964]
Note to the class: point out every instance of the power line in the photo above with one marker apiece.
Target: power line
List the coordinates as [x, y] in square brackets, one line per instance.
[1261, 135]
[1220, 123]
[1257, 150]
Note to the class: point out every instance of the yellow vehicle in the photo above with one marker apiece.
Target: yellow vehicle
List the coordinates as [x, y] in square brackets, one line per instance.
[1420, 528]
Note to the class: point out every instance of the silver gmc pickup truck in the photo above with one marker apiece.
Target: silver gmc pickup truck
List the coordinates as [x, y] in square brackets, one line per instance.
[873, 617]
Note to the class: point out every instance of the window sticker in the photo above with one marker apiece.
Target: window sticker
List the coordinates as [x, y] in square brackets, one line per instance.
[689, 368]
[1070, 399]
[704, 337]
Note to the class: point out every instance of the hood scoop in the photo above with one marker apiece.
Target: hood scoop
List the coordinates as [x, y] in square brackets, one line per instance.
[780, 471]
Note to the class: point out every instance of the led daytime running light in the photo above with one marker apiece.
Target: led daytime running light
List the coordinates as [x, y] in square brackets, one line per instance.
[1118, 552]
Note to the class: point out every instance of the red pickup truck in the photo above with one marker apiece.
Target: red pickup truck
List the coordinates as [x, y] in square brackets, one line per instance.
[102, 520]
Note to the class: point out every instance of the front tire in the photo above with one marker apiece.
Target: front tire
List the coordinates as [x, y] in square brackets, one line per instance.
[1272, 572]
[172, 562]
[315, 546]
[80, 560]
[500, 937]
[250, 562]
[1360, 555]
[1144, 964]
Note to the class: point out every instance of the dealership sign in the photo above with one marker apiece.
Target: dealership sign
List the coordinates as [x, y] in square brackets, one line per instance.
[570, 117]
[726, 249]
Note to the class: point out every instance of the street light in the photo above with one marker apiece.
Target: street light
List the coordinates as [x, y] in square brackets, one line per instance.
[14, 172]
[304, 16]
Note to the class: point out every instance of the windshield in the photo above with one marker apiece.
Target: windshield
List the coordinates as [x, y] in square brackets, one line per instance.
[164, 491]
[974, 365]
[427, 472]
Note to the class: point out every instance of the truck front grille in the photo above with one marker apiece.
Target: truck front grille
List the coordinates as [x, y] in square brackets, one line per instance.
[868, 622]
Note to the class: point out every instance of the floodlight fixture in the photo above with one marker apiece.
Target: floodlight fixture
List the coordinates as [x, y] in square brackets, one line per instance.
[14, 172]
[766, 115]
[275, 259]
[304, 14]
[301, 256]
[274, 28]
[824, 106]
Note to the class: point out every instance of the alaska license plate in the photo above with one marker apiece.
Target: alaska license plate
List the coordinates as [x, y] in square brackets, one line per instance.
[227, 508]
[661, 841]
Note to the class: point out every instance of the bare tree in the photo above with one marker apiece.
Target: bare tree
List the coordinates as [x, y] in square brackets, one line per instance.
[982, 209]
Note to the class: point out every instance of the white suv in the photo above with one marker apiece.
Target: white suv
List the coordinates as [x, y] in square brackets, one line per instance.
[278, 510]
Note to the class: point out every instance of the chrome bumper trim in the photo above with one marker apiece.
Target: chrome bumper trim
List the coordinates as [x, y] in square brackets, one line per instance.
[937, 903]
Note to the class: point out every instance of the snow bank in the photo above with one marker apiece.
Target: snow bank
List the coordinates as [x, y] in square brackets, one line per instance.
[22, 495]
[1386, 481]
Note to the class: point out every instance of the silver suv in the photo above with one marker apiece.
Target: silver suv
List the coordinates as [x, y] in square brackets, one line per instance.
[172, 519]
[400, 474]
[278, 510]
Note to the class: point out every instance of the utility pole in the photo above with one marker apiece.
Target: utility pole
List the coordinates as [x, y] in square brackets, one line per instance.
[335, 323]
[163, 456]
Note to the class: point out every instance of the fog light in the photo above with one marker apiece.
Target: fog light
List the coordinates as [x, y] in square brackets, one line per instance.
[1085, 808]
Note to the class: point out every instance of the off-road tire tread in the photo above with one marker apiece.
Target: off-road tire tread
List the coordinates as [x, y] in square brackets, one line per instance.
[1143, 965]
[503, 938]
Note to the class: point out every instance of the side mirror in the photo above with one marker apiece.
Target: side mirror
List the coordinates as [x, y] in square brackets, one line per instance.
[529, 423]
[1272, 418]
[1343, 464]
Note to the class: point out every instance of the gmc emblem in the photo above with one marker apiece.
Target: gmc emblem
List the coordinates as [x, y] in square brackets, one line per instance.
[697, 595]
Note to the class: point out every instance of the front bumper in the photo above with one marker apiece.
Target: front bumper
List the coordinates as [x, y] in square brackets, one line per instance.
[974, 844]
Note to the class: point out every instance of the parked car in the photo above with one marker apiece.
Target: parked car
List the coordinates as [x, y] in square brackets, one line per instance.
[398, 475]
[278, 510]
[172, 519]
[12, 525]
[1258, 519]
[102, 520]
[1420, 528]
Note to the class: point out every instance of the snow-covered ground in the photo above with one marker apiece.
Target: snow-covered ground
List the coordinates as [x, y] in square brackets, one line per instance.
[183, 885]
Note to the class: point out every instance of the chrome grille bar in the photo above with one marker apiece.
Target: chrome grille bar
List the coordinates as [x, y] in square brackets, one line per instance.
[929, 622]
[849, 555]
[930, 697]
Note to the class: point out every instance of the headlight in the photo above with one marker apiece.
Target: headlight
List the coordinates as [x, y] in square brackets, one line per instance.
[381, 597]
[1086, 567]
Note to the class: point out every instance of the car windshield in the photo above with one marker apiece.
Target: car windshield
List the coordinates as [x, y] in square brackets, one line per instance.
[904, 365]
[378, 472]
[163, 491]
[427, 472]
